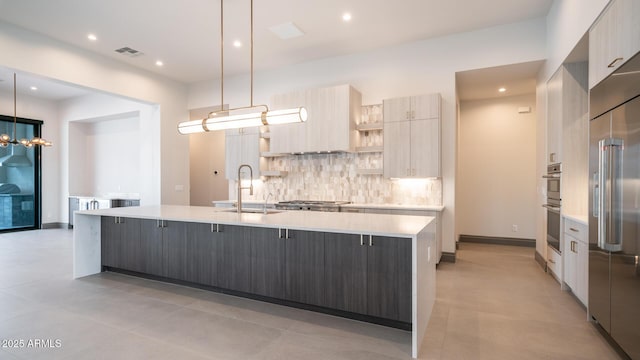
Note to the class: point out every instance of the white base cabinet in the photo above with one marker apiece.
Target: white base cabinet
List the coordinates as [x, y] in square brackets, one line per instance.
[575, 253]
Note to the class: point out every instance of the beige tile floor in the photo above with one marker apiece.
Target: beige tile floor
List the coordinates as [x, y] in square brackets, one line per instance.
[494, 303]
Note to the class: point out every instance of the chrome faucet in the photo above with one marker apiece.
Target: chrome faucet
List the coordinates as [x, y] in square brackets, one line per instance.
[266, 200]
[240, 188]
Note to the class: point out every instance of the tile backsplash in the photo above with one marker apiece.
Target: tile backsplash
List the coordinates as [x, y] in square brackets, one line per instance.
[338, 176]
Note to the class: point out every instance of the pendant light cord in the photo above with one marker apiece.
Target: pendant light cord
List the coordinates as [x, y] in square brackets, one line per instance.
[251, 53]
[15, 112]
[221, 55]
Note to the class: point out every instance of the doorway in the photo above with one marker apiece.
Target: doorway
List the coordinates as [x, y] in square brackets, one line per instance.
[20, 177]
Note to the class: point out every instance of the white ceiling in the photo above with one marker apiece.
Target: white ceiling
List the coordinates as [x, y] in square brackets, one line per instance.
[517, 79]
[185, 35]
[46, 88]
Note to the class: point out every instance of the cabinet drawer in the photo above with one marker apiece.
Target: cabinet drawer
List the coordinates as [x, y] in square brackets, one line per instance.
[576, 229]
[554, 263]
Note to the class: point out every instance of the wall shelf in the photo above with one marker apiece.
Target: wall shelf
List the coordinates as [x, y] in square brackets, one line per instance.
[369, 127]
[268, 154]
[273, 173]
[369, 149]
[369, 171]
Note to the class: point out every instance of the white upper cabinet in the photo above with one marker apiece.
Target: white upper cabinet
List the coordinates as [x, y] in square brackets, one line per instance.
[242, 146]
[412, 137]
[331, 125]
[613, 39]
[554, 117]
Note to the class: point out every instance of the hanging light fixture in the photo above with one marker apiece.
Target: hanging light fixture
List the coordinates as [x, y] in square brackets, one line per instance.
[227, 120]
[5, 140]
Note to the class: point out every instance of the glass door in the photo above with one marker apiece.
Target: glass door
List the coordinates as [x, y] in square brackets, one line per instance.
[20, 187]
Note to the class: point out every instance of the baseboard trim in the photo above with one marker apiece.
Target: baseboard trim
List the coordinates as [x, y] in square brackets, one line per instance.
[448, 257]
[541, 261]
[56, 225]
[497, 240]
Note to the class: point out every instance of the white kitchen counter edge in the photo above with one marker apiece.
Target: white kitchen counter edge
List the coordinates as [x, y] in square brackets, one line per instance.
[395, 207]
[577, 218]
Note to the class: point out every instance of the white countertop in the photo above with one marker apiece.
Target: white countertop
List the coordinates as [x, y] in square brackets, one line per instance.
[396, 207]
[350, 223]
[579, 218]
[123, 196]
[245, 202]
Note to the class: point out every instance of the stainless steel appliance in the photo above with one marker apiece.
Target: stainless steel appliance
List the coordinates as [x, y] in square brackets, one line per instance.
[554, 201]
[614, 206]
[311, 205]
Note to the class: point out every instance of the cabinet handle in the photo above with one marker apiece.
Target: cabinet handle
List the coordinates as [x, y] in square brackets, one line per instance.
[361, 239]
[279, 233]
[413, 114]
[370, 240]
[217, 228]
[286, 233]
[115, 220]
[407, 116]
[613, 63]
[574, 229]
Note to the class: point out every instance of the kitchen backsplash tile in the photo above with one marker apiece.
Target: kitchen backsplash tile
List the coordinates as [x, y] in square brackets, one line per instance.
[335, 176]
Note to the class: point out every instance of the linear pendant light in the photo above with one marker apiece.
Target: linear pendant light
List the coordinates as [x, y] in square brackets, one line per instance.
[215, 121]
[5, 140]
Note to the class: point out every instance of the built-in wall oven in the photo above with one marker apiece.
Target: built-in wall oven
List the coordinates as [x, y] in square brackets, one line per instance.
[554, 201]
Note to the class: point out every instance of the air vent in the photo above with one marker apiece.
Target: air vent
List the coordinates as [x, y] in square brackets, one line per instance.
[127, 51]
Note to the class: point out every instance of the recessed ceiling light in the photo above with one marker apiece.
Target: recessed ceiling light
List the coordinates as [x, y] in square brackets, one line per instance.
[92, 37]
[502, 89]
[34, 88]
[237, 43]
[346, 17]
[159, 63]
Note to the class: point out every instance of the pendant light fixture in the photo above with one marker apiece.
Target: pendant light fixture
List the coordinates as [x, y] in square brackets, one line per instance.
[227, 120]
[5, 140]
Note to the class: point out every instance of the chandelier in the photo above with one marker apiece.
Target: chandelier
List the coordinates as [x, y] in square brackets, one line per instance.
[5, 140]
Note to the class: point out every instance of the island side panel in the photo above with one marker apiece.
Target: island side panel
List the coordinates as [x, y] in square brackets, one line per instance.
[86, 245]
[423, 261]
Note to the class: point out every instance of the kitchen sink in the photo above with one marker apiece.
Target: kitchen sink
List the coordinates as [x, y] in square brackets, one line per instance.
[253, 211]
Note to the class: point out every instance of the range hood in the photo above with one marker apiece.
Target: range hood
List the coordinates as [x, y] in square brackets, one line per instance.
[17, 158]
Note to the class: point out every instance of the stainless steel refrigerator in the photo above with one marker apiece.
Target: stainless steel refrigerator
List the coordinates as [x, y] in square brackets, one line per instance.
[614, 206]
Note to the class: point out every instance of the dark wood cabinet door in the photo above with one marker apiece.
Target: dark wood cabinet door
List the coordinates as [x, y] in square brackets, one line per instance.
[110, 241]
[345, 273]
[404, 281]
[130, 251]
[304, 267]
[201, 254]
[174, 249]
[234, 258]
[151, 248]
[382, 277]
[267, 262]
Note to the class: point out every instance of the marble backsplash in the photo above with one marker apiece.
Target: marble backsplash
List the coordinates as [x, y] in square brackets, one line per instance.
[339, 176]
[335, 177]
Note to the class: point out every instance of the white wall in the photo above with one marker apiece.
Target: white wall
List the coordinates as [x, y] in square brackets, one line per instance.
[497, 168]
[26, 51]
[410, 69]
[47, 111]
[137, 142]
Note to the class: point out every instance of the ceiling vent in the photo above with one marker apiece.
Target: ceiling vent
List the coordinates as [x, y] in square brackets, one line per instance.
[127, 51]
[286, 31]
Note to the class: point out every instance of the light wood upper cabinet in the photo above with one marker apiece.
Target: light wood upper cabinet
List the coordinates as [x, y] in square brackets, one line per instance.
[412, 137]
[242, 147]
[554, 117]
[331, 125]
[613, 39]
[412, 108]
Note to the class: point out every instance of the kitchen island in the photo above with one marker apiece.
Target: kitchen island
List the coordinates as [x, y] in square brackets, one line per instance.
[371, 267]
